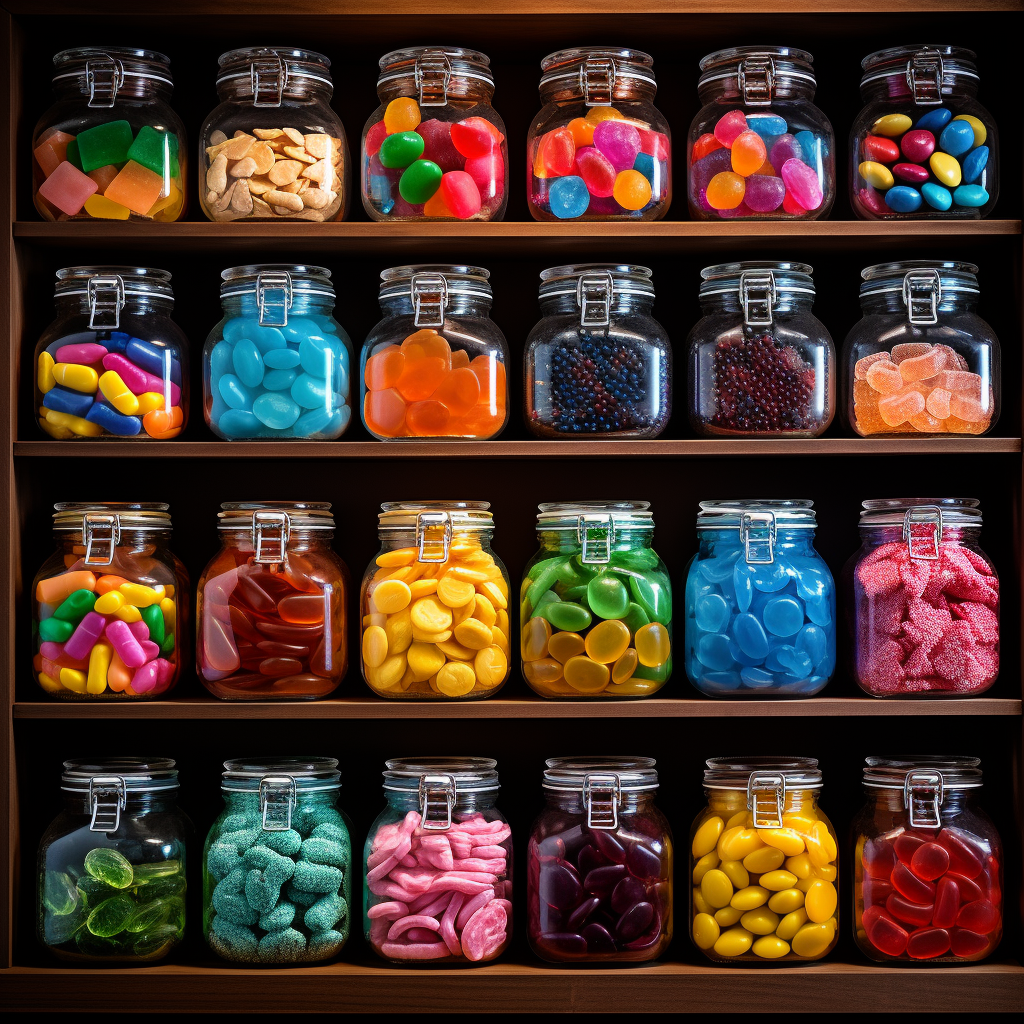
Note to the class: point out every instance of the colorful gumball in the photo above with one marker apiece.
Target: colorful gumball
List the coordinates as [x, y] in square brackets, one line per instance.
[401, 115]
[597, 171]
[420, 180]
[461, 194]
[632, 190]
[556, 154]
[619, 141]
[748, 153]
[726, 190]
[400, 149]
[582, 131]
[730, 126]
[472, 139]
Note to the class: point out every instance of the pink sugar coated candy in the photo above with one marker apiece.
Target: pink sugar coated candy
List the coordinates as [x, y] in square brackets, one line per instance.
[485, 933]
[84, 638]
[861, 367]
[619, 141]
[139, 381]
[85, 354]
[803, 182]
[729, 127]
[438, 146]
[124, 643]
[67, 188]
[460, 194]
[596, 170]
[784, 148]
[960, 382]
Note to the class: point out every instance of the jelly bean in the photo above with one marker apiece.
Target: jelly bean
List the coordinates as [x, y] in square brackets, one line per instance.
[945, 168]
[248, 363]
[153, 359]
[401, 149]
[877, 175]
[766, 125]
[903, 199]
[880, 150]
[912, 173]
[978, 127]
[891, 125]
[725, 191]
[706, 144]
[461, 194]
[803, 183]
[401, 115]
[748, 153]
[970, 195]
[785, 148]
[597, 172]
[556, 154]
[419, 181]
[935, 120]
[958, 137]
[974, 163]
[730, 126]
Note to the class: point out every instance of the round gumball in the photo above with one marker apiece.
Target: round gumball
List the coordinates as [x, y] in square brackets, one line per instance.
[461, 194]
[401, 115]
[632, 190]
[785, 148]
[420, 180]
[957, 137]
[619, 141]
[726, 190]
[472, 139]
[730, 126]
[582, 131]
[978, 126]
[568, 197]
[748, 153]
[597, 171]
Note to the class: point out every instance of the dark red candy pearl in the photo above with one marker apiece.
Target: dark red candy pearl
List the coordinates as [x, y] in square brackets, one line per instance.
[876, 891]
[930, 861]
[884, 933]
[981, 916]
[601, 881]
[916, 914]
[967, 943]
[969, 890]
[908, 884]
[906, 846]
[928, 943]
[964, 856]
[878, 858]
[651, 936]
[947, 903]
[559, 886]
[626, 893]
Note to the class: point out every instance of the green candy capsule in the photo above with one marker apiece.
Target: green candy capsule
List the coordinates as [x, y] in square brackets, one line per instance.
[60, 896]
[75, 607]
[566, 615]
[153, 617]
[400, 149]
[109, 866]
[56, 630]
[640, 558]
[607, 597]
[653, 593]
[156, 942]
[577, 594]
[420, 180]
[111, 917]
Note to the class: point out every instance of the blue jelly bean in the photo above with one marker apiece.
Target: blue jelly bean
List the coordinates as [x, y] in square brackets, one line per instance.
[275, 410]
[819, 611]
[313, 422]
[970, 195]
[718, 570]
[712, 613]
[797, 662]
[935, 120]
[318, 356]
[299, 328]
[811, 578]
[769, 579]
[155, 359]
[234, 392]
[221, 360]
[312, 393]
[974, 163]
[757, 678]
[750, 636]
[326, 324]
[281, 358]
[647, 165]
[813, 642]
[240, 327]
[380, 193]
[774, 663]
[767, 125]
[68, 400]
[239, 423]
[740, 657]
[957, 138]
[783, 615]
[217, 407]
[742, 585]
[248, 363]
[713, 652]
[568, 197]
[721, 680]
[279, 380]
[903, 199]
[112, 421]
[811, 146]
[936, 196]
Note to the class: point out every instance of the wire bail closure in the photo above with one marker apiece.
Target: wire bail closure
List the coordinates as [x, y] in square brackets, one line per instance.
[429, 299]
[602, 813]
[277, 801]
[433, 74]
[597, 81]
[758, 531]
[274, 298]
[927, 516]
[595, 535]
[437, 793]
[766, 784]
[99, 529]
[107, 799]
[924, 77]
[756, 80]
[268, 75]
[270, 531]
[758, 296]
[106, 300]
[424, 522]
[594, 294]
[917, 784]
[922, 293]
[104, 78]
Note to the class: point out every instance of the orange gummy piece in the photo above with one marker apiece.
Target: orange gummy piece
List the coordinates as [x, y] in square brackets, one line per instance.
[427, 419]
[954, 361]
[421, 376]
[459, 391]
[119, 676]
[884, 377]
[435, 206]
[136, 187]
[57, 588]
[960, 382]
[460, 358]
[384, 412]
[967, 408]
[103, 176]
[105, 584]
[163, 425]
[910, 350]
[432, 344]
[900, 406]
[490, 371]
[52, 151]
[861, 367]
[955, 425]
[938, 403]
[384, 368]
[481, 422]
[556, 154]
[922, 367]
[927, 423]
[582, 131]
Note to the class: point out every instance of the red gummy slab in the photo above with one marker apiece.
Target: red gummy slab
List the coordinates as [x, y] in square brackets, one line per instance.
[947, 903]
[964, 856]
[906, 846]
[966, 943]
[928, 943]
[884, 933]
[909, 913]
[909, 885]
[930, 861]
[981, 916]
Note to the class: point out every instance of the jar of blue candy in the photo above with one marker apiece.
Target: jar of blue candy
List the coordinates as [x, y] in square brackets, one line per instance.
[277, 365]
[760, 602]
[923, 147]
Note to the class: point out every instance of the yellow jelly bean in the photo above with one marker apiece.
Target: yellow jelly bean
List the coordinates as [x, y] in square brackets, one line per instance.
[825, 838]
[151, 401]
[455, 592]
[821, 901]
[72, 679]
[704, 865]
[99, 662]
[736, 872]
[401, 115]
[392, 596]
[891, 125]
[375, 647]
[168, 590]
[455, 651]
[804, 884]
[816, 851]
[503, 623]
[980, 131]
[705, 931]
[58, 433]
[607, 641]
[741, 819]
[170, 613]
[699, 903]
[108, 603]
[430, 615]
[118, 394]
[425, 660]
[423, 637]
[585, 675]
[785, 901]
[876, 175]
[128, 613]
[76, 377]
[472, 633]
[421, 588]
[716, 888]
[624, 668]
[705, 839]
[945, 167]
[734, 942]
[597, 114]
[44, 374]
[141, 596]
[400, 556]
[491, 666]
[484, 610]
[563, 646]
[770, 947]
[761, 921]
[494, 594]
[785, 839]
[766, 859]
[48, 683]
[737, 843]
[778, 880]
[652, 645]
[791, 924]
[800, 865]
[750, 898]
[499, 640]
[542, 671]
[728, 916]
[828, 873]
[389, 674]
[813, 940]
[399, 630]
[76, 424]
[456, 679]
[536, 638]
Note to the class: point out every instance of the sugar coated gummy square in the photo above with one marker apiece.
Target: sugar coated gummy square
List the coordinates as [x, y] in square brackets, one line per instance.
[136, 187]
[67, 188]
[105, 144]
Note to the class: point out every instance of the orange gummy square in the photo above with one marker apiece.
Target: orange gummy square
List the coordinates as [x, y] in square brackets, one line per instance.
[136, 187]
[103, 176]
[52, 150]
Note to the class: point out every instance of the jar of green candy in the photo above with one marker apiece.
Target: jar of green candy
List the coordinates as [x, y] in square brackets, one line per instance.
[111, 866]
[277, 864]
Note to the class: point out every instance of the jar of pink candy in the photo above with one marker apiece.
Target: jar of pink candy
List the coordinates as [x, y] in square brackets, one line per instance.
[760, 148]
[438, 864]
[926, 599]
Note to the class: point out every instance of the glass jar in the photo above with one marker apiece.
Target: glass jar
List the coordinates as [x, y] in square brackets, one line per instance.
[761, 363]
[109, 604]
[763, 859]
[297, 168]
[599, 864]
[923, 147]
[434, 367]
[110, 147]
[760, 602]
[455, 905]
[434, 604]
[597, 363]
[270, 605]
[113, 363]
[759, 147]
[921, 360]
[595, 607]
[928, 876]
[925, 599]
[277, 864]
[111, 866]
[435, 147]
[277, 365]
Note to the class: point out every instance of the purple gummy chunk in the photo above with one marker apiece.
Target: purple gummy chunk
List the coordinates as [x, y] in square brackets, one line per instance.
[559, 885]
[626, 893]
[84, 638]
[564, 942]
[598, 938]
[651, 936]
[634, 922]
[552, 847]
[786, 148]
[589, 858]
[579, 916]
[643, 863]
[609, 846]
[619, 141]
[764, 193]
[707, 167]
[601, 881]
[438, 145]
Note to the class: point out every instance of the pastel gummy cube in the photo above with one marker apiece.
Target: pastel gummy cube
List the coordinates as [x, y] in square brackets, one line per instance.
[52, 151]
[72, 155]
[105, 209]
[103, 176]
[136, 187]
[105, 144]
[67, 188]
[156, 150]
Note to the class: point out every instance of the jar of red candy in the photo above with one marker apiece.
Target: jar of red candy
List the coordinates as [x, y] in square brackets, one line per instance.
[761, 362]
[923, 147]
[438, 864]
[271, 604]
[926, 599]
[435, 147]
[599, 149]
[759, 148]
[928, 871]
[599, 864]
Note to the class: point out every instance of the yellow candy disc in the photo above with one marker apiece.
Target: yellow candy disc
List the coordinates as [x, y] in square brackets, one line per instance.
[392, 596]
[800, 865]
[491, 666]
[607, 641]
[585, 675]
[424, 637]
[389, 674]
[425, 660]
[472, 633]
[393, 559]
[494, 594]
[455, 651]
[652, 645]
[455, 592]
[699, 903]
[785, 901]
[736, 873]
[456, 679]
[429, 614]
[728, 916]
[542, 671]
[765, 859]
[421, 588]
[563, 646]
[375, 646]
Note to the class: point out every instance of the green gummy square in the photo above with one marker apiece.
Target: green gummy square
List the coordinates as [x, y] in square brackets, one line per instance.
[73, 156]
[148, 150]
[105, 144]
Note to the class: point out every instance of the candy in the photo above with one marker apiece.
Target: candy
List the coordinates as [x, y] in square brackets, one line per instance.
[970, 196]
[632, 190]
[917, 146]
[876, 175]
[881, 150]
[903, 199]
[461, 194]
[725, 191]
[730, 126]
[67, 188]
[803, 183]
[912, 173]
[748, 153]
[400, 149]
[891, 125]
[597, 172]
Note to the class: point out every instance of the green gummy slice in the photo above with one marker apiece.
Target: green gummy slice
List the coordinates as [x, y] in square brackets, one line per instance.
[172, 885]
[654, 595]
[153, 617]
[73, 156]
[544, 580]
[104, 145]
[149, 915]
[607, 597]
[59, 928]
[586, 570]
[111, 916]
[60, 895]
[110, 867]
[635, 617]
[145, 873]
[75, 607]
[56, 630]
[577, 594]
[157, 942]
[566, 615]
[156, 150]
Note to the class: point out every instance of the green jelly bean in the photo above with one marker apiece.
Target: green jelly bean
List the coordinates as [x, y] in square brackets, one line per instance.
[549, 598]
[75, 606]
[567, 615]
[167, 647]
[586, 570]
[156, 942]
[400, 149]
[56, 630]
[160, 888]
[607, 597]
[419, 181]
[544, 580]
[145, 873]
[93, 891]
[635, 618]
[654, 594]
[111, 916]
[325, 913]
[149, 915]
[59, 928]
[283, 946]
[153, 617]
[60, 895]
[109, 866]
[325, 944]
[279, 918]
[577, 594]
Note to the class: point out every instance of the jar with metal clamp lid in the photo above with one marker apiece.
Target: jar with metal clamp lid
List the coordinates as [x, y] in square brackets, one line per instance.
[928, 863]
[599, 149]
[435, 147]
[278, 364]
[111, 866]
[763, 862]
[435, 366]
[273, 149]
[760, 602]
[595, 606]
[110, 605]
[598, 364]
[277, 864]
[923, 147]
[925, 599]
[759, 149]
[270, 606]
[921, 360]
[761, 363]
[599, 864]
[110, 147]
[437, 864]
[434, 604]
[113, 363]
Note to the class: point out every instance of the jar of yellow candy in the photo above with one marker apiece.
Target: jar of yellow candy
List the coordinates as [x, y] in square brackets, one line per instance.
[434, 604]
[763, 861]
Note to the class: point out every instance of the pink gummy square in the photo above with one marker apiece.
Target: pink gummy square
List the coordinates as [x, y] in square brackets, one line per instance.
[67, 188]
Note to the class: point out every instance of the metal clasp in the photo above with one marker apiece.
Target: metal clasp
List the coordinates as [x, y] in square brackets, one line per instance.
[274, 298]
[270, 531]
[268, 76]
[766, 813]
[99, 529]
[277, 801]
[758, 531]
[437, 792]
[594, 293]
[917, 784]
[595, 531]
[433, 73]
[106, 300]
[429, 299]
[922, 293]
[107, 798]
[756, 80]
[602, 813]
[930, 517]
[426, 520]
[104, 78]
[924, 77]
[758, 296]
[597, 80]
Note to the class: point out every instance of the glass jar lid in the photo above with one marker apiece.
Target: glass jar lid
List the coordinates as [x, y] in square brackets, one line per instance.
[426, 281]
[468, 774]
[409, 515]
[754, 71]
[927, 68]
[557, 516]
[893, 511]
[579, 774]
[575, 279]
[103, 69]
[434, 66]
[725, 515]
[740, 278]
[736, 773]
[301, 515]
[260, 278]
[597, 68]
[120, 281]
[134, 774]
[87, 516]
[894, 772]
[270, 69]
[924, 284]
[306, 774]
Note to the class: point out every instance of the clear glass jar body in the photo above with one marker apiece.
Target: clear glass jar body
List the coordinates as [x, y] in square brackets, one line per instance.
[759, 628]
[434, 610]
[603, 375]
[272, 626]
[276, 153]
[434, 366]
[595, 612]
[435, 148]
[923, 133]
[283, 370]
[91, 646]
[761, 365]
[759, 149]
[577, 170]
[930, 368]
[129, 163]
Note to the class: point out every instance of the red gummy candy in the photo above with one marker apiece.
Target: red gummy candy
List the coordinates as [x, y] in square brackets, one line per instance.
[906, 846]
[969, 890]
[909, 885]
[930, 861]
[903, 910]
[375, 136]
[981, 916]
[656, 144]
[966, 943]
[597, 171]
[878, 858]
[460, 194]
[471, 138]
[947, 903]
[878, 577]
[884, 933]
[488, 172]
[964, 856]
[875, 891]
[928, 943]
[438, 146]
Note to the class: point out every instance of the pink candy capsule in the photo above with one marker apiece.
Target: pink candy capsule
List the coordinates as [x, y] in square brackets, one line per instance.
[913, 173]
[146, 678]
[84, 638]
[150, 650]
[127, 647]
[460, 193]
[597, 171]
[619, 141]
[85, 354]
[139, 630]
[730, 126]
[803, 183]
[138, 381]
